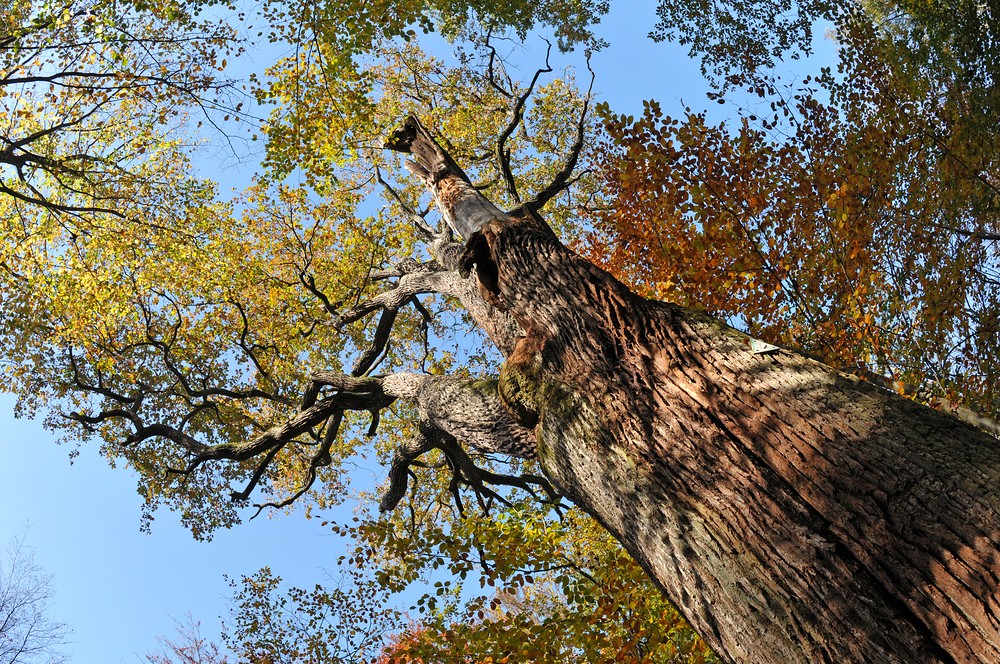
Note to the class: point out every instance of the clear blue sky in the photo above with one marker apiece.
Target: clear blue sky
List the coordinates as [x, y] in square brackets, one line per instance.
[118, 588]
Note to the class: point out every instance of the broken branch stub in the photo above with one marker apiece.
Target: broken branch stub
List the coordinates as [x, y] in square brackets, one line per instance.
[463, 208]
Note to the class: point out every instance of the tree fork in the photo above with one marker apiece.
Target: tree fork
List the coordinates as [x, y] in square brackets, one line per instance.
[792, 513]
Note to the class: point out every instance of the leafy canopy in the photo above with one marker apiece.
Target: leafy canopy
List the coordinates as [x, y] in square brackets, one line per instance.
[852, 215]
[146, 314]
[855, 218]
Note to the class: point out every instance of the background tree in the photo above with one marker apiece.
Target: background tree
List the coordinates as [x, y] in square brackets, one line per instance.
[188, 647]
[345, 621]
[27, 632]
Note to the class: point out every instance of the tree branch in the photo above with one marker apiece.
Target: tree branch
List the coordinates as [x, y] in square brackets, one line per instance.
[516, 118]
[463, 208]
[403, 457]
[562, 179]
[416, 217]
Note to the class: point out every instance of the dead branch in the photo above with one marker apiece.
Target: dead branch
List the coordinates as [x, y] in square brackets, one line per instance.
[463, 208]
[494, 61]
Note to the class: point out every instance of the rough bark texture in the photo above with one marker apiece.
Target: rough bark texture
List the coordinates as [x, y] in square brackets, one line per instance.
[792, 513]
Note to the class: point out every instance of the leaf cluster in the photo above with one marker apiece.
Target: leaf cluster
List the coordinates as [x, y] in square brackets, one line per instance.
[89, 89]
[853, 215]
[345, 621]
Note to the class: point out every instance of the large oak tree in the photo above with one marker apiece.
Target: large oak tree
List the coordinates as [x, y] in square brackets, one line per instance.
[792, 512]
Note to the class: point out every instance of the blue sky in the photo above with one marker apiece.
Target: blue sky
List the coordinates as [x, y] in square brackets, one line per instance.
[118, 588]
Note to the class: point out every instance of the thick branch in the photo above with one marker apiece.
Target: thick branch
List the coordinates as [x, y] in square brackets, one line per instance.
[353, 394]
[402, 458]
[470, 410]
[428, 281]
[441, 277]
[463, 208]
[455, 412]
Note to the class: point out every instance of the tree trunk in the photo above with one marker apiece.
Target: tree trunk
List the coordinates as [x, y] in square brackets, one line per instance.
[791, 512]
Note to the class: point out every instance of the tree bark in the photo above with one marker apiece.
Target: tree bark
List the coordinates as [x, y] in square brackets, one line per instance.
[791, 512]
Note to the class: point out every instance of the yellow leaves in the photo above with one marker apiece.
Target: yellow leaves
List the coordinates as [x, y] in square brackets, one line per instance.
[193, 303]
[554, 589]
[333, 112]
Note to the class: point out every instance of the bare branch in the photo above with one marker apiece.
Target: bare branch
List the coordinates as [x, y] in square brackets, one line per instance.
[516, 118]
[975, 235]
[494, 60]
[258, 474]
[562, 179]
[430, 280]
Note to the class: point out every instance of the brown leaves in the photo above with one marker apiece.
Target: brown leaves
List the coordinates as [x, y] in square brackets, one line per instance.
[856, 229]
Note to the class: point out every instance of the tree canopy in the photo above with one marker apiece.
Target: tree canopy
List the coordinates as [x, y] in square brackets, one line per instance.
[229, 352]
[852, 214]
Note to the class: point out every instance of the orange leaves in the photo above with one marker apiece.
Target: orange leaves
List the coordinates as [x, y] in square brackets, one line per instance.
[847, 233]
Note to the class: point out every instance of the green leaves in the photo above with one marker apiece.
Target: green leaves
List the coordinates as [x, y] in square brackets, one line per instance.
[738, 40]
[534, 588]
[346, 621]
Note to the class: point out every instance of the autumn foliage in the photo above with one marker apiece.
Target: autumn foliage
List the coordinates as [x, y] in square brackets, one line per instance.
[851, 215]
